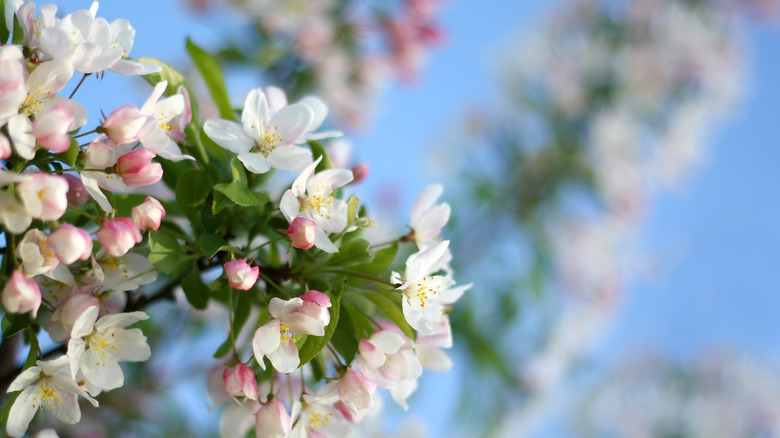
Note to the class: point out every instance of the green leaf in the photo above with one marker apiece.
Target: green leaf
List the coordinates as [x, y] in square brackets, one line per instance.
[382, 260]
[318, 150]
[313, 345]
[237, 191]
[343, 339]
[175, 80]
[18, 38]
[241, 196]
[353, 252]
[352, 209]
[195, 290]
[14, 323]
[224, 349]
[192, 188]
[167, 255]
[211, 72]
[241, 310]
[365, 222]
[69, 157]
[212, 243]
[4, 31]
[390, 305]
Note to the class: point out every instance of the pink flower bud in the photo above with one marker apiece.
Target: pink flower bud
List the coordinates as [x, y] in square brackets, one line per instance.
[137, 169]
[77, 194]
[70, 244]
[101, 153]
[272, 421]
[118, 236]
[148, 215]
[241, 275]
[360, 172]
[316, 304]
[355, 394]
[51, 127]
[21, 295]
[44, 196]
[125, 124]
[240, 381]
[73, 307]
[5, 147]
[302, 232]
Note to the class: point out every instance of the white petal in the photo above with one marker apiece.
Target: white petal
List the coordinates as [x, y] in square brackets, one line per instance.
[328, 180]
[255, 111]
[85, 323]
[51, 76]
[289, 205]
[131, 345]
[90, 180]
[20, 131]
[285, 358]
[119, 320]
[229, 135]
[299, 185]
[292, 158]
[433, 358]
[25, 379]
[319, 111]
[425, 200]
[255, 162]
[266, 339]
[102, 371]
[65, 408]
[22, 412]
[291, 122]
[322, 241]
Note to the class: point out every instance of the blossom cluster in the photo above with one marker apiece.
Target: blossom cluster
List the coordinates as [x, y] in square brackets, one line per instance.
[101, 221]
[390, 356]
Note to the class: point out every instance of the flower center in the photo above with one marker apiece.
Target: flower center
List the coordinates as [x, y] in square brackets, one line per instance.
[46, 394]
[102, 344]
[267, 138]
[33, 103]
[422, 291]
[319, 421]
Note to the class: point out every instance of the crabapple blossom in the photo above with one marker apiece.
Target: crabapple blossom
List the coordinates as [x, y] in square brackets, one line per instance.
[44, 196]
[96, 347]
[148, 215]
[422, 301]
[48, 385]
[118, 236]
[36, 257]
[21, 295]
[165, 123]
[316, 305]
[241, 275]
[240, 381]
[427, 219]
[311, 197]
[126, 272]
[275, 338]
[317, 416]
[272, 421]
[70, 244]
[302, 232]
[264, 139]
[355, 395]
[388, 359]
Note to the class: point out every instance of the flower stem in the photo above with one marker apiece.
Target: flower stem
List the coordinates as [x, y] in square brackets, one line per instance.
[79, 85]
[358, 274]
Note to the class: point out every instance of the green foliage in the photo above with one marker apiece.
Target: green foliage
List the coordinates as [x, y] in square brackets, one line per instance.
[14, 323]
[318, 150]
[195, 290]
[237, 192]
[209, 68]
[167, 255]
